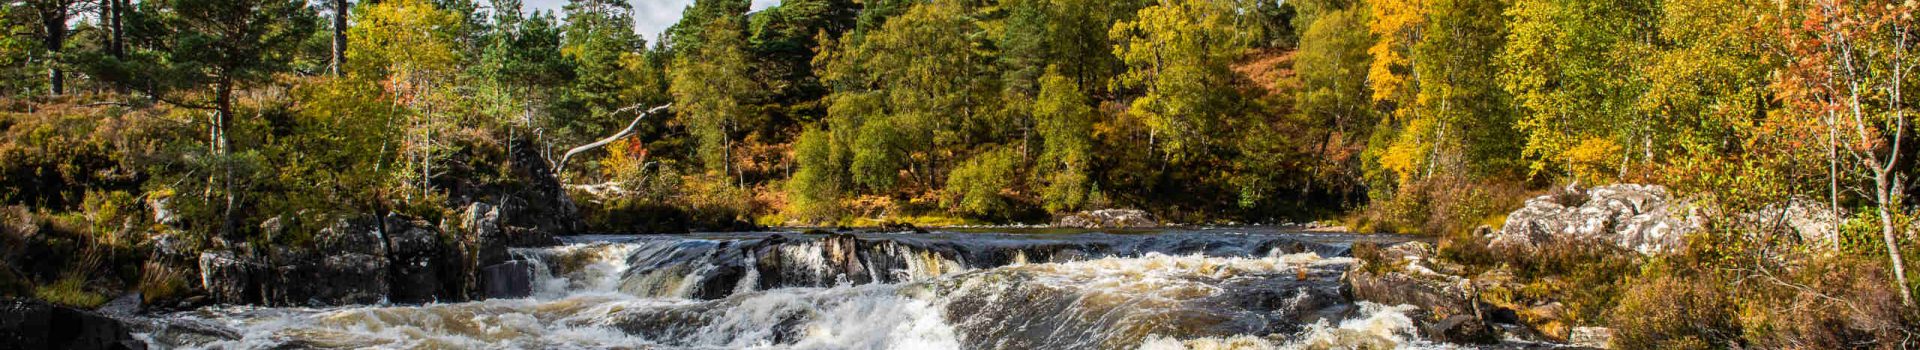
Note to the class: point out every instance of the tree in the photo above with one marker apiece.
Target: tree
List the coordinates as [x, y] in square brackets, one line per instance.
[338, 60]
[1398, 24]
[711, 85]
[204, 52]
[1458, 91]
[918, 86]
[521, 67]
[1177, 53]
[53, 16]
[408, 46]
[1571, 66]
[1852, 62]
[1064, 123]
[1332, 67]
[597, 38]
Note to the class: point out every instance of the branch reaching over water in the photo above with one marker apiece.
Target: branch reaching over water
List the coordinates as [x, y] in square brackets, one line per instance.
[557, 167]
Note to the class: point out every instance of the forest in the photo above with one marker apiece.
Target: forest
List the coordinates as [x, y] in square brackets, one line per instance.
[1428, 117]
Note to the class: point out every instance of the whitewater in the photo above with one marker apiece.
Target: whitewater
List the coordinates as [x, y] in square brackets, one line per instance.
[1198, 289]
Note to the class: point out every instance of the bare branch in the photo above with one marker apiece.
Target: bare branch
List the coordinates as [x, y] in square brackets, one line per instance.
[557, 167]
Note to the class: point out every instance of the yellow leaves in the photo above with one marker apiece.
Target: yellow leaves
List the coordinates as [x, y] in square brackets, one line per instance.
[407, 43]
[1408, 154]
[1593, 160]
[1396, 24]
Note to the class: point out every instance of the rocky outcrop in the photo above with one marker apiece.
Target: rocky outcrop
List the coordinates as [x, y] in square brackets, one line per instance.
[415, 259]
[349, 265]
[31, 324]
[1642, 218]
[1449, 306]
[1803, 219]
[1108, 218]
[229, 278]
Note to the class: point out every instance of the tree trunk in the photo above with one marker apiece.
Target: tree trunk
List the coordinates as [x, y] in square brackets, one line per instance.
[339, 36]
[562, 164]
[117, 46]
[1885, 199]
[55, 25]
[223, 104]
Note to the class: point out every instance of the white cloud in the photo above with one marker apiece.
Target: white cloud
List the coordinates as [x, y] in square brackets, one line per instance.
[650, 17]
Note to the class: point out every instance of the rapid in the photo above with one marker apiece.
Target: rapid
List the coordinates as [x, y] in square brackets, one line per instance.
[1189, 289]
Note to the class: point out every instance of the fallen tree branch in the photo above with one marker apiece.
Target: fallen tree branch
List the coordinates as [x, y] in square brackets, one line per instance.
[557, 167]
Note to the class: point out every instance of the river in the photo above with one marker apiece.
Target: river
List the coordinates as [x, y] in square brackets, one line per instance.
[1243, 288]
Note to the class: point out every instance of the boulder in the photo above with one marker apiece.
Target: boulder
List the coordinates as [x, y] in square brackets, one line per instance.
[414, 252]
[1449, 309]
[32, 324]
[512, 279]
[1108, 218]
[1642, 218]
[1591, 337]
[1807, 220]
[229, 278]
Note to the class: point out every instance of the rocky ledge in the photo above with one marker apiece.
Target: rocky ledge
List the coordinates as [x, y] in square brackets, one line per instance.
[33, 324]
[366, 260]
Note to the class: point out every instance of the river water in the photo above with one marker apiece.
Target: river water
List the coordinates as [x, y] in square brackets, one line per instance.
[1183, 289]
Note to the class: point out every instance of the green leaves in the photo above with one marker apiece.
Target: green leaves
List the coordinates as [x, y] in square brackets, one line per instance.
[1177, 53]
[1064, 122]
[710, 86]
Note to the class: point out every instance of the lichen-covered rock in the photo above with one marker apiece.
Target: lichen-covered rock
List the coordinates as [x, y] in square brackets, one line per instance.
[1591, 337]
[1108, 218]
[1807, 220]
[1642, 218]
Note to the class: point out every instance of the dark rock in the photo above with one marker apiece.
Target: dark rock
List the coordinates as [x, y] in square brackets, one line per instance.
[31, 324]
[228, 278]
[897, 227]
[1449, 307]
[512, 279]
[414, 255]
[816, 231]
[1108, 218]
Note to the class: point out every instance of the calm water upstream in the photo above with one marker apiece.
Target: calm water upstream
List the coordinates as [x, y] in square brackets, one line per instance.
[1176, 289]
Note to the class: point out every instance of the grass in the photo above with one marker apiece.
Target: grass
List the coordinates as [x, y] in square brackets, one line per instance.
[70, 291]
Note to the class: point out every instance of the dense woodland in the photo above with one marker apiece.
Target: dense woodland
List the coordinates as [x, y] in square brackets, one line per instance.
[1410, 116]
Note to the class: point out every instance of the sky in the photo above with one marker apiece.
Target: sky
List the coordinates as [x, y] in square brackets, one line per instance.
[650, 16]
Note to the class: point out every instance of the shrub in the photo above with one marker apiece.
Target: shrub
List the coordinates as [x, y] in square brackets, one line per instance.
[1674, 312]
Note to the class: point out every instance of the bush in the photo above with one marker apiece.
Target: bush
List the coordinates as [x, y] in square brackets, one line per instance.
[1674, 312]
[1442, 205]
[1836, 302]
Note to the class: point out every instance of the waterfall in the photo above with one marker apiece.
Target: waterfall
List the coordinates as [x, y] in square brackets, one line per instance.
[975, 291]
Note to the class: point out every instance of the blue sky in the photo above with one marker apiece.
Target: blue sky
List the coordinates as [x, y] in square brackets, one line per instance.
[650, 16]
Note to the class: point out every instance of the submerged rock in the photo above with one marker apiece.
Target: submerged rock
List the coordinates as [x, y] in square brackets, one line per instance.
[1642, 218]
[1108, 218]
[32, 324]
